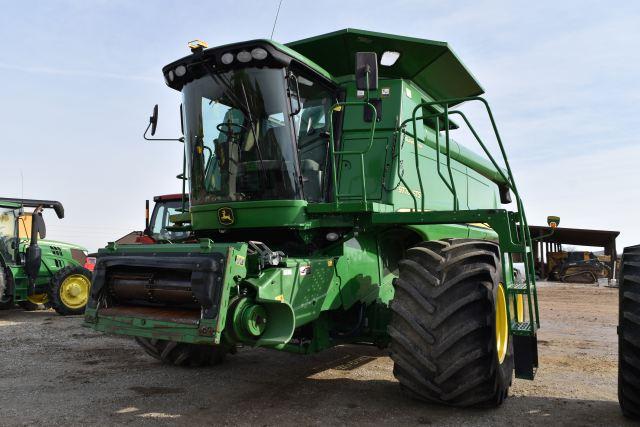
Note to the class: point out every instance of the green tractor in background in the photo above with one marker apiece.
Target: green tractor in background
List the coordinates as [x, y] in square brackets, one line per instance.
[328, 204]
[36, 272]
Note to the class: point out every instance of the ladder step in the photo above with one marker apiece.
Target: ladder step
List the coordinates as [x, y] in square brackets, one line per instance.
[522, 328]
[518, 288]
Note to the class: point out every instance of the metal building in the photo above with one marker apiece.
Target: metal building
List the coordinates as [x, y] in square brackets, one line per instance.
[552, 242]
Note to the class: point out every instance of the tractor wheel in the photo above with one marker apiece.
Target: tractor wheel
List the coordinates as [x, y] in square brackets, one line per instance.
[182, 354]
[35, 302]
[69, 290]
[629, 333]
[449, 330]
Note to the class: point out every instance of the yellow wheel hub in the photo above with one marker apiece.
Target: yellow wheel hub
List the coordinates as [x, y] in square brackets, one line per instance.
[74, 291]
[38, 298]
[502, 325]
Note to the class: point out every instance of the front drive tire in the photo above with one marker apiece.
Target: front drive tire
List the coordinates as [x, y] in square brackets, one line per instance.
[69, 290]
[5, 301]
[448, 344]
[629, 333]
[182, 354]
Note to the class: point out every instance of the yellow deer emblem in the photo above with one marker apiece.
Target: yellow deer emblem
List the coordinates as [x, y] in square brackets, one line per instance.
[225, 216]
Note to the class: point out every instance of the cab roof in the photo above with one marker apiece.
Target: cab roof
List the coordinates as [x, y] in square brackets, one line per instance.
[431, 65]
[10, 205]
[33, 203]
[169, 197]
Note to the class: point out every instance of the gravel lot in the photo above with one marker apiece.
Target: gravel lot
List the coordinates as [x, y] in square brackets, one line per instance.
[53, 371]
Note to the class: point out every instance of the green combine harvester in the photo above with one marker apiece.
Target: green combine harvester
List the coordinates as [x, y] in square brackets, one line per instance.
[328, 205]
[36, 272]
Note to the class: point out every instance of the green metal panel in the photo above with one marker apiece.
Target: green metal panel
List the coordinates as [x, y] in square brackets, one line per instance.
[271, 213]
[5, 204]
[55, 256]
[359, 270]
[350, 182]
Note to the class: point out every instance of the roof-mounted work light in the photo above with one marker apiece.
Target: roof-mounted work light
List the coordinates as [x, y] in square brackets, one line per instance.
[197, 45]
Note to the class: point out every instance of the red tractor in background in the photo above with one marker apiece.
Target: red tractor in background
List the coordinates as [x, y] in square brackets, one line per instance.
[156, 225]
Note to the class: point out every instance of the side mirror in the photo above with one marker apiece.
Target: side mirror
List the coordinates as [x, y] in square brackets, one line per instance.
[553, 221]
[153, 120]
[366, 71]
[41, 228]
[33, 256]
[153, 124]
[38, 226]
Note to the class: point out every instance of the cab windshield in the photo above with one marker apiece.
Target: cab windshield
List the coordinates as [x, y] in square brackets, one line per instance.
[161, 219]
[8, 232]
[239, 137]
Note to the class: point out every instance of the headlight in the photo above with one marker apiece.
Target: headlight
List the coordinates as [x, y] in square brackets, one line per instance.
[171, 76]
[389, 57]
[227, 58]
[259, 53]
[244, 56]
[181, 70]
[332, 236]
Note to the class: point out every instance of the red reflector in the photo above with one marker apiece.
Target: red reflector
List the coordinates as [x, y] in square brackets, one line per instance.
[90, 263]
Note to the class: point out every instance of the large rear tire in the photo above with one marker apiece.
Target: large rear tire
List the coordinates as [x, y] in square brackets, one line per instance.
[629, 333]
[449, 337]
[182, 354]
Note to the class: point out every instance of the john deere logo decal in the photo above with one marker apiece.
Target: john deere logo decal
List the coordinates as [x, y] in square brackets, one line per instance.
[225, 216]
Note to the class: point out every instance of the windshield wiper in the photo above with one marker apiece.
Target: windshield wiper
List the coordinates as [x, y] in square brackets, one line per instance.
[255, 137]
[245, 109]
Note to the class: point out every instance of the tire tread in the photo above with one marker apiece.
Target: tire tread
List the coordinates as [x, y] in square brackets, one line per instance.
[182, 354]
[442, 326]
[629, 333]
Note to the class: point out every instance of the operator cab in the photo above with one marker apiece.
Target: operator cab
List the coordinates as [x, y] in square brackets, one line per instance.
[255, 124]
[16, 225]
[8, 233]
[165, 207]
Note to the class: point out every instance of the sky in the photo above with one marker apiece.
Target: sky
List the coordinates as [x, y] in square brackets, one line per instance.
[78, 80]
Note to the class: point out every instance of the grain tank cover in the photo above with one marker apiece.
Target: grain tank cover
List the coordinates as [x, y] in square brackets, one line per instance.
[432, 65]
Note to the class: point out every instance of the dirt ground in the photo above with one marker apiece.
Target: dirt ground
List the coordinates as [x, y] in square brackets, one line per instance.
[53, 371]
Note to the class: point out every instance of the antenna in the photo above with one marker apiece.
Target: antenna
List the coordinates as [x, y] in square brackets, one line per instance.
[276, 19]
[21, 185]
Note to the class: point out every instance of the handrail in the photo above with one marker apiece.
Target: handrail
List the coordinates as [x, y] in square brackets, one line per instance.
[520, 229]
[451, 186]
[417, 160]
[336, 107]
[401, 174]
[448, 151]
[484, 147]
[524, 235]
